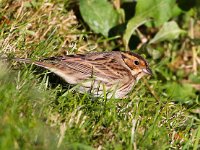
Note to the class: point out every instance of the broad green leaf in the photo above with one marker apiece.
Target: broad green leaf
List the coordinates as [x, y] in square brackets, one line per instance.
[169, 31]
[178, 92]
[133, 24]
[159, 10]
[99, 15]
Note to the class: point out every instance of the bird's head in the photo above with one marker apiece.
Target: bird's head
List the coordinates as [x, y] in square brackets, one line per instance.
[137, 64]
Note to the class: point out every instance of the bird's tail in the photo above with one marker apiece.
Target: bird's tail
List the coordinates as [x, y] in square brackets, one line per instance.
[28, 61]
[25, 60]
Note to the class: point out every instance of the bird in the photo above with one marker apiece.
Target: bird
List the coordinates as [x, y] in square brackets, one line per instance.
[114, 73]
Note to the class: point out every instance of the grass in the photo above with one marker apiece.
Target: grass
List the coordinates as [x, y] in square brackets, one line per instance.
[37, 112]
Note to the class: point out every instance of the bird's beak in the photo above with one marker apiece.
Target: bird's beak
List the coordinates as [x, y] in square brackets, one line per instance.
[147, 71]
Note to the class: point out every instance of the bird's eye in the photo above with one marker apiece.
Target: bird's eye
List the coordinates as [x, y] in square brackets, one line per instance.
[136, 62]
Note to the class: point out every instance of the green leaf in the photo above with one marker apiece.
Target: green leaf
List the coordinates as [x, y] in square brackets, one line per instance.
[99, 15]
[178, 92]
[169, 31]
[159, 10]
[133, 24]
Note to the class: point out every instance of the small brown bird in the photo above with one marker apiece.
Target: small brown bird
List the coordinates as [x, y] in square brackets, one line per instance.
[114, 72]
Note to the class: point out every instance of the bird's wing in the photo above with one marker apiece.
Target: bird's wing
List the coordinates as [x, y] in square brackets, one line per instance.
[106, 67]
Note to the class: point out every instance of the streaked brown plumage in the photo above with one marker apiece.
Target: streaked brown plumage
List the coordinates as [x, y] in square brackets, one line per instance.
[113, 72]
